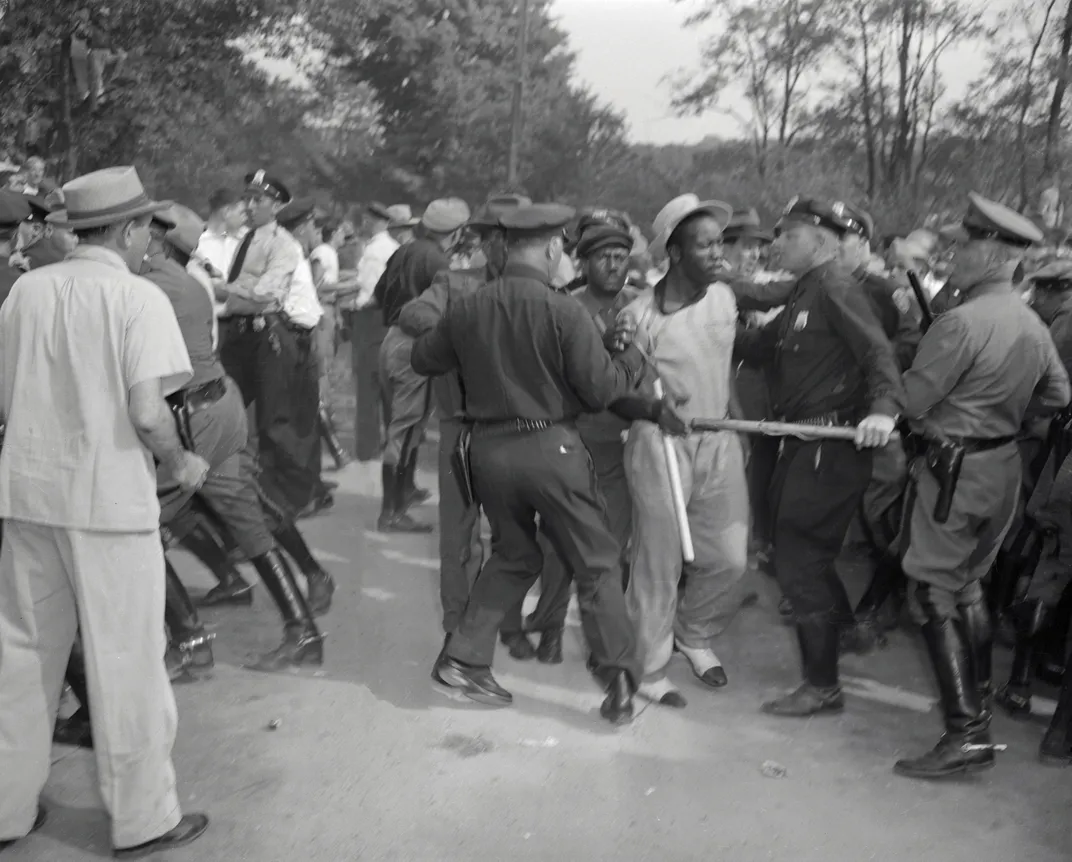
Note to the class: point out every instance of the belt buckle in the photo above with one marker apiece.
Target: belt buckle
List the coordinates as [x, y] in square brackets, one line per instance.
[259, 323]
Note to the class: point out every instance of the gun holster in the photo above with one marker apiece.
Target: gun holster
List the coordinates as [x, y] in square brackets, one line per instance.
[944, 459]
[461, 465]
[181, 413]
[1060, 435]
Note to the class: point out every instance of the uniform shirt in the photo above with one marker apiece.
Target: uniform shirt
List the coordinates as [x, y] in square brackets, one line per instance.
[193, 310]
[409, 273]
[74, 338]
[1060, 324]
[692, 347]
[980, 365]
[897, 312]
[606, 426]
[325, 255]
[370, 267]
[827, 352]
[420, 315]
[525, 352]
[302, 305]
[218, 249]
[267, 271]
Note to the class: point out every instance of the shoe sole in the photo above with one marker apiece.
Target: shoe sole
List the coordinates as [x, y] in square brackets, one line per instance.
[833, 710]
[162, 848]
[462, 695]
[970, 769]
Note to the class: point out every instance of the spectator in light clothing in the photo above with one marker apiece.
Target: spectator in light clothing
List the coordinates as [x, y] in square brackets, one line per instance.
[378, 251]
[88, 352]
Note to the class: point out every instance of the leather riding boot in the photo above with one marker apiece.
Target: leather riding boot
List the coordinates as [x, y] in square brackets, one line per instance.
[302, 641]
[331, 438]
[321, 585]
[975, 619]
[1056, 747]
[870, 630]
[1053, 640]
[76, 729]
[1015, 697]
[393, 517]
[617, 706]
[818, 637]
[212, 548]
[189, 643]
[965, 746]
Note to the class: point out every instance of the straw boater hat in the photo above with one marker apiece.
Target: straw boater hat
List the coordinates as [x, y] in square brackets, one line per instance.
[401, 217]
[186, 230]
[681, 208]
[103, 198]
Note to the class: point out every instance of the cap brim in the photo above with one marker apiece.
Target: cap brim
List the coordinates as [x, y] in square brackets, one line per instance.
[60, 217]
[747, 232]
[721, 212]
[409, 223]
[954, 233]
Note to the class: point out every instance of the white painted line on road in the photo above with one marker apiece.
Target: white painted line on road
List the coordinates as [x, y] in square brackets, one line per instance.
[329, 556]
[373, 536]
[422, 562]
[869, 689]
[376, 594]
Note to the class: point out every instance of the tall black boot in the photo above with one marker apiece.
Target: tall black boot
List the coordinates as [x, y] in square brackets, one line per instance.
[393, 517]
[321, 585]
[412, 495]
[190, 646]
[331, 439]
[965, 745]
[1028, 619]
[868, 631]
[76, 729]
[1053, 640]
[1056, 747]
[302, 641]
[211, 547]
[975, 619]
[818, 636]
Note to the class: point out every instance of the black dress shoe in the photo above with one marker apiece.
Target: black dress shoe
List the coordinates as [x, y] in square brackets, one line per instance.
[806, 700]
[550, 649]
[519, 645]
[235, 593]
[475, 683]
[39, 821]
[953, 755]
[617, 707]
[190, 828]
[75, 730]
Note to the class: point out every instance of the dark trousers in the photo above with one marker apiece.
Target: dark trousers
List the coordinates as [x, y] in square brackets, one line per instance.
[277, 371]
[762, 461]
[815, 493]
[547, 473]
[366, 334]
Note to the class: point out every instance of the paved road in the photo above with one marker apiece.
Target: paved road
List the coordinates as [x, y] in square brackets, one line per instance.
[369, 763]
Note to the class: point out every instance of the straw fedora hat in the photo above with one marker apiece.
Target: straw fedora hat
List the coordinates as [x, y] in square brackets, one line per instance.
[105, 197]
[679, 209]
[186, 229]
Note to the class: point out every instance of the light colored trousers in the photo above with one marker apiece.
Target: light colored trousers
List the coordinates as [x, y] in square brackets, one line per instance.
[54, 582]
[713, 481]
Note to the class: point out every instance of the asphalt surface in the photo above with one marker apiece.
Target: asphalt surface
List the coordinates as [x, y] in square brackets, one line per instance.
[368, 762]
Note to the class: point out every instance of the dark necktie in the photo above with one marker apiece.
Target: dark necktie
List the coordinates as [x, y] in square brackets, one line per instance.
[240, 257]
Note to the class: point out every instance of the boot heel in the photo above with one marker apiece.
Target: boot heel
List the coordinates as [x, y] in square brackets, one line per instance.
[310, 651]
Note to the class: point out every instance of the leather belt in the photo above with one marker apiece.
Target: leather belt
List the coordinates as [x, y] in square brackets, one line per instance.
[202, 396]
[976, 444]
[512, 426]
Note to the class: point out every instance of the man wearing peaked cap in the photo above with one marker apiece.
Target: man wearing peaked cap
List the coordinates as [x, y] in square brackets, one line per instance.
[14, 210]
[461, 550]
[829, 363]
[40, 242]
[406, 394]
[980, 369]
[85, 519]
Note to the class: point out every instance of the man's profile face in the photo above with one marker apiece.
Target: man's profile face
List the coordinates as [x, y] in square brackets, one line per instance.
[234, 217]
[700, 250]
[796, 248]
[261, 208]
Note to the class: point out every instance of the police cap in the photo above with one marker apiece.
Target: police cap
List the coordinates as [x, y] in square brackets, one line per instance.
[745, 224]
[537, 218]
[1055, 275]
[296, 212]
[487, 216]
[859, 221]
[832, 215]
[264, 183]
[38, 208]
[603, 236]
[986, 219]
[14, 209]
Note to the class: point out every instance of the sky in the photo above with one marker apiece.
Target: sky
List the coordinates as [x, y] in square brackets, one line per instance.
[626, 48]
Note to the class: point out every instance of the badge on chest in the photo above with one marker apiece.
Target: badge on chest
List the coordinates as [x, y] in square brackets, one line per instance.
[801, 321]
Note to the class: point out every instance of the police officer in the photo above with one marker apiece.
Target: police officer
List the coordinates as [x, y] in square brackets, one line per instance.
[531, 361]
[407, 395]
[461, 549]
[14, 209]
[830, 364]
[980, 368]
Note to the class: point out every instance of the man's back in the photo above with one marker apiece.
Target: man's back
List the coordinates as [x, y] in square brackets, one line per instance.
[74, 337]
[408, 274]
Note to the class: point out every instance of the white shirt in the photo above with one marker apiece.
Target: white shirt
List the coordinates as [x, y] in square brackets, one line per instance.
[378, 251]
[219, 250]
[325, 255]
[74, 338]
[302, 305]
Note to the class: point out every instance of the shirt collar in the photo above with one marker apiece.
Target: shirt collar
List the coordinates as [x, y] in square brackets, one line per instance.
[523, 270]
[100, 254]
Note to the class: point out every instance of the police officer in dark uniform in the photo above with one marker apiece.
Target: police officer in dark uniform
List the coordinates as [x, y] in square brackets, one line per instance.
[531, 361]
[830, 364]
[982, 367]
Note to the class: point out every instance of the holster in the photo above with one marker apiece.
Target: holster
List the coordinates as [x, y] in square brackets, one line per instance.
[461, 465]
[944, 459]
[1060, 436]
[181, 413]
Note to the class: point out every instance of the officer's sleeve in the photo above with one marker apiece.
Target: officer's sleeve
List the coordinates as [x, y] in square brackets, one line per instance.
[274, 284]
[757, 346]
[1053, 391]
[433, 353]
[944, 355]
[853, 319]
[1061, 333]
[595, 378]
[423, 313]
[759, 297]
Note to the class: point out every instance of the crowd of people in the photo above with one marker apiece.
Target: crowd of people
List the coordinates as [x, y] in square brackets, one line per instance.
[165, 383]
